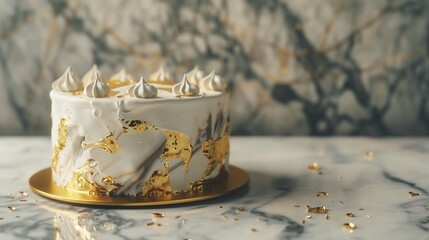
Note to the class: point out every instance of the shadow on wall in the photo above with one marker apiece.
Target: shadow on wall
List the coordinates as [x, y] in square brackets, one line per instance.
[295, 67]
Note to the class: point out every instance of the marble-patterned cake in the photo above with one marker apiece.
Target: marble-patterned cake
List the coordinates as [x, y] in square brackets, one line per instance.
[119, 136]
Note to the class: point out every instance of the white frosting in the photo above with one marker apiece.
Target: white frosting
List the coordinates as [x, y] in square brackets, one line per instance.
[213, 82]
[68, 82]
[133, 164]
[122, 76]
[195, 75]
[161, 76]
[97, 88]
[142, 90]
[184, 88]
[89, 76]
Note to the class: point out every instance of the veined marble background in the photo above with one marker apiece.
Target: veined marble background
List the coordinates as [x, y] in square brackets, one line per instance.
[294, 66]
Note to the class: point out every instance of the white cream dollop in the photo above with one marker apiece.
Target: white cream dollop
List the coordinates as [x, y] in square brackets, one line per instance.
[184, 88]
[143, 90]
[97, 88]
[89, 76]
[213, 82]
[195, 75]
[68, 82]
[161, 76]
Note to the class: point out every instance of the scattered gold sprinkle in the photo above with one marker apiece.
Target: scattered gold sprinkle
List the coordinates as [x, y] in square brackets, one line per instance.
[321, 194]
[303, 221]
[240, 209]
[22, 193]
[177, 216]
[220, 206]
[183, 221]
[253, 230]
[224, 216]
[308, 217]
[1, 218]
[350, 214]
[17, 216]
[150, 223]
[11, 196]
[341, 202]
[81, 211]
[413, 194]
[314, 166]
[360, 209]
[235, 219]
[22, 200]
[158, 224]
[317, 209]
[319, 173]
[349, 226]
[326, 216]
[159, 215]
[10, 208]
[296, 205]
[36, 201]
[369, 155]
[368, 216]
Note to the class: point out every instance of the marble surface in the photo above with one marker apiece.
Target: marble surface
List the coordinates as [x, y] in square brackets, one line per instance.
[294, 66]
[274, 203]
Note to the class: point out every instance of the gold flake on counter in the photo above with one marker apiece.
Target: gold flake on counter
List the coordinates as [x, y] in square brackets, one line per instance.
[314, 166]
[61, 141]
[240, 209]
[349, 226]
[158, 215]
[320, 210]
[108, 144]
[308, 217]
[326, 216]
[350, 214]
[11, 209]
[413, 194]
[253, 230]
[369, 155]
[320, 193]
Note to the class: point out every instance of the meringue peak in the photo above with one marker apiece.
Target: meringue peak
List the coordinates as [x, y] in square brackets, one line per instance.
[68, 82]
[143, 90]
[195, 75]
[184, 88]
[97, 88]
[161, 76]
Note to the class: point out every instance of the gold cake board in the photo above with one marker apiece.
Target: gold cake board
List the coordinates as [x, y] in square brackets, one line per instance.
[42, 184]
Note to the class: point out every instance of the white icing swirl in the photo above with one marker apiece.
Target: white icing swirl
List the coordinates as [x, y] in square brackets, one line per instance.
[195, 75]
[97, 88]
[142, 90]
[161, 76]
[122, 76]
[213, 82]
[184, 88]
[89, 76]
[68, 82]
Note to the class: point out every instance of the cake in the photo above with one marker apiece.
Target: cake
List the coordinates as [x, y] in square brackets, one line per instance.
[123, 136]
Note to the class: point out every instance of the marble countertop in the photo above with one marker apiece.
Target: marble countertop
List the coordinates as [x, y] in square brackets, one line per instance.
[368, 177]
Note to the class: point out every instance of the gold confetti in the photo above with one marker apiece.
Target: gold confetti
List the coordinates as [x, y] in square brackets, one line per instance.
[240, 209]
[158, 224]
[11, 196]
[303, 221]
[224, 216]
[413, 194]
[183, 221]
[296, 205]
[17, 216]
[11, 209]
[368, 216]
[22, 200]
[360, 209]
[317, 209]
[349, 226]
[150, 223]
[341, 202]
[308, 217]
[220, 206]
[319, 193]
[235, 219]
[22, 193]
[369, 155]
[177, 216]
[350, 214]
[326, 216]
[253, 230]
[158, 215]
[36, 201]
[314, 166]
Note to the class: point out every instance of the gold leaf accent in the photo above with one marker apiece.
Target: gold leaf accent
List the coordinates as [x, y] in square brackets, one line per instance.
[215, 151]
[158, 183]
[80, 180]
[61, 142]
[177, 145]
[108, 144]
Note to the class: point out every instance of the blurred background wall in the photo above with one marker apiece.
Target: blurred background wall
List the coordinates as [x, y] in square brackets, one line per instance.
[294, 66]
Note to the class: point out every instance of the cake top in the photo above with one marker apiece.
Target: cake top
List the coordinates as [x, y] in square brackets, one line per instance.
[160, 84]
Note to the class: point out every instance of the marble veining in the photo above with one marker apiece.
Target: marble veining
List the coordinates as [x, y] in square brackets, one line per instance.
[366, 176]
[294, 66]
